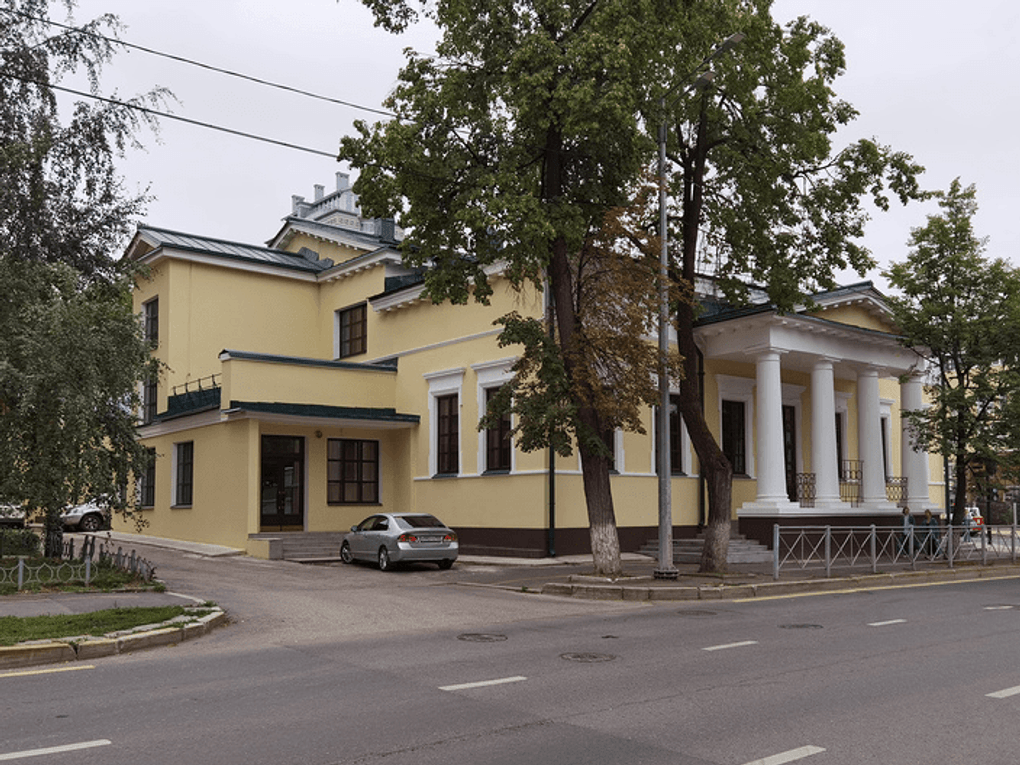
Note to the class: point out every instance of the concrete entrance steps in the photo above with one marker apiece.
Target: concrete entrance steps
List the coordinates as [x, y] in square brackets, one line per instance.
[304, 546]
[741, 550]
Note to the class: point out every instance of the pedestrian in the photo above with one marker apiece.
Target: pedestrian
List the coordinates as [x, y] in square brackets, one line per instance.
[908, 531]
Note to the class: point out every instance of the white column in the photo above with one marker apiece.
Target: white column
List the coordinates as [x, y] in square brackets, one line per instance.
[823, 436]
[769, 407]
[914, 463]
[869, 439]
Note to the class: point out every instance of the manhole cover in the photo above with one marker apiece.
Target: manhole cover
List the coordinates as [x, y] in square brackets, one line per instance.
[800, 626]
[696, 613]
[587, 658]
[481, 637]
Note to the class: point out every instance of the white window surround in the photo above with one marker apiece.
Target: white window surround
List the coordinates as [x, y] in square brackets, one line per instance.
[740, 389]
[491, 374]
[444, 383]
[619, 458]
[792, 396]
[685, 444]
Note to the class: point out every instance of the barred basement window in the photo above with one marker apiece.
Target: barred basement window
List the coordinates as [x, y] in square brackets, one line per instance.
[352, 471]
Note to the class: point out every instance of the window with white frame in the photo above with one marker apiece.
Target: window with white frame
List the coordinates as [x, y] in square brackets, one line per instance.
[351, 331]
[495, 446]
[736, 415]
[445, 396]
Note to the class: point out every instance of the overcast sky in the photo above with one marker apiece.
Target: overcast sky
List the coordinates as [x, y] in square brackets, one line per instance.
[937, 79]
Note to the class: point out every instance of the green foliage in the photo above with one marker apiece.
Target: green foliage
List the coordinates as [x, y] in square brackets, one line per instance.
[71, 352]
[18, 542]
[960, 310]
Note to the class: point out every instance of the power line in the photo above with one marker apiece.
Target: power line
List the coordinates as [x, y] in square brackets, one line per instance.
[210, 67]
[189, 121]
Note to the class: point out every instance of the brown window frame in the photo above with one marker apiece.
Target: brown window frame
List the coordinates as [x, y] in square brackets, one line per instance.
[184, 473]
[353, 331]
[349, 467]
[498, 445]
[448, 434]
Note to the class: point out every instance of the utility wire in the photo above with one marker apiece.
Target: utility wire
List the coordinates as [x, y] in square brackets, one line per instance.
[189, 121]
[210, 67]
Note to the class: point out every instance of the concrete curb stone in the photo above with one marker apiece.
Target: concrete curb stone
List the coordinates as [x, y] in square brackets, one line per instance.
[85, 648]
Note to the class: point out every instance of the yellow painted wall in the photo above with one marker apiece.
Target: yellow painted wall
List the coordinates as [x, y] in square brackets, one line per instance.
[855, 316]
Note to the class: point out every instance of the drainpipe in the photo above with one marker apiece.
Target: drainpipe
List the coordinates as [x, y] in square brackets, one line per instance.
[702, 520]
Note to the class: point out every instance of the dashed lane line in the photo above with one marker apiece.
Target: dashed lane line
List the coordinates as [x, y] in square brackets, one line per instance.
[790, 756]
[887, 623]
[482, 684]
[27, 672]
[55, 749]
[1004, 694]
[730, 645]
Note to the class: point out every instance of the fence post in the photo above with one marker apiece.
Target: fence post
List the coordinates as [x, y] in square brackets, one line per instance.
[984, 544]
[949, 544]
[828, 551]
[88, 570]
[775, 551]
[874, 549]
[21, 573]
[910, 547]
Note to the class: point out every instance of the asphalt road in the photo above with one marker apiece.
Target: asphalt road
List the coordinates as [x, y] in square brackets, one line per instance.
[349, 665]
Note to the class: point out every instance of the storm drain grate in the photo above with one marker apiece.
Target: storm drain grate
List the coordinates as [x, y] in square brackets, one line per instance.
[481, 637]
[587, 658]
[800, 626]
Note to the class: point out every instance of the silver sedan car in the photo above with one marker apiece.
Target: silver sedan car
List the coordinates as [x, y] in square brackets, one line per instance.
[392, 538]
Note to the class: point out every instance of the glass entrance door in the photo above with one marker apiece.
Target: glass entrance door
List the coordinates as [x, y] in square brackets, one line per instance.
[283, 469]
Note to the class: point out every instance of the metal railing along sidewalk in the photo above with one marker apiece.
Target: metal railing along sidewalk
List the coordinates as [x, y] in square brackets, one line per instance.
[826, 547]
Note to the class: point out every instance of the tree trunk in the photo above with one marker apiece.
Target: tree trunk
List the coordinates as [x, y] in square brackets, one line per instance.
[714, 466]
[960, 500]
[598, 497]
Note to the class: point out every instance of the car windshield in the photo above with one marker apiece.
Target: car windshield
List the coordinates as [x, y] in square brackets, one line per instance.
[420, 522]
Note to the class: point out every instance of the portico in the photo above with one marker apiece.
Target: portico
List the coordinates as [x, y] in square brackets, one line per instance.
[841, 363]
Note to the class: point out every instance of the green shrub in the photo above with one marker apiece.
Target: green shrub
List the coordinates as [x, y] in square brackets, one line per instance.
[19, 542]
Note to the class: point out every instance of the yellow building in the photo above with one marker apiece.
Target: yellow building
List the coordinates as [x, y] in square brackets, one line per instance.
[307, 385]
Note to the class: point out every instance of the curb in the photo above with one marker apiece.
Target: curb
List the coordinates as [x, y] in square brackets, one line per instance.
[745, 591]
[86, 648]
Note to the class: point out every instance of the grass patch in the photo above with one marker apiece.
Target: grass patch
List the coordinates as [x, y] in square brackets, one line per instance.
[15, 629]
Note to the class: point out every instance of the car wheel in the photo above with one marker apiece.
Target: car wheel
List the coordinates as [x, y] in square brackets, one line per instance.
[345, 553]
[384, 560]
[90, 522]
[445, 564]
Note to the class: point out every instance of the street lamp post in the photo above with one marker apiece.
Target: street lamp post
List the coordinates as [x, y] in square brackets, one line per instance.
[665, 568]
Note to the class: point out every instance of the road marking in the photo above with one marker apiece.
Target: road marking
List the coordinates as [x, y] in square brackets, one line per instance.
[730, 645]
[998, 608]
[55, 749]
[46, 671]
[1004, 693]
[886, 624]
[482, 684]
[793, 754]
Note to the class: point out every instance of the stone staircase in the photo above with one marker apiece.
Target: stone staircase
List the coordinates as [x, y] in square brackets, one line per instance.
[741, 550]
[304, 546]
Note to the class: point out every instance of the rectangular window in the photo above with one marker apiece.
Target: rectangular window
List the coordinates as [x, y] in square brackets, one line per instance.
[151, 314]
[184, 458]
[353, 329]
[147, 482]
[447, 446]
[733, 435]
[149, 394]
[352, 471]
[676, 460]
[609, 439]
[497, 439]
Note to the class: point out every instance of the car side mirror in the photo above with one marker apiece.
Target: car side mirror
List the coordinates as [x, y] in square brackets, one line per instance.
[354, 527]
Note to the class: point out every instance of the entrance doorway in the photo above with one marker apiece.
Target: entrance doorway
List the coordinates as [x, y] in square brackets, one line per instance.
[283, 491]
[790, 450]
